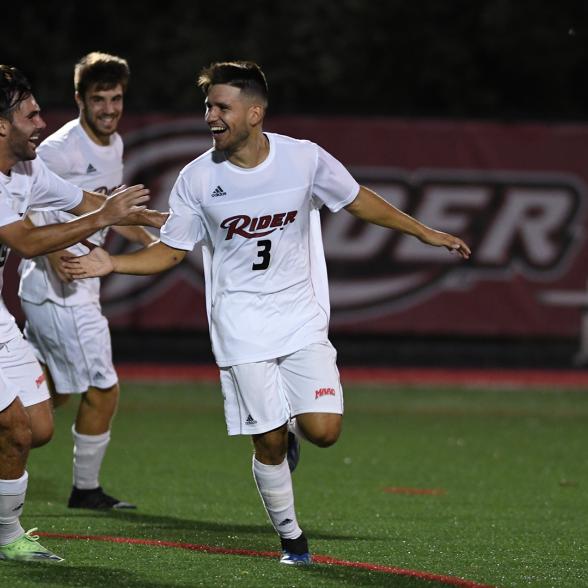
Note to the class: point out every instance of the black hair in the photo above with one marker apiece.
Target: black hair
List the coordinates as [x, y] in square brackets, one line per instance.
[14, 88]
[245, 75]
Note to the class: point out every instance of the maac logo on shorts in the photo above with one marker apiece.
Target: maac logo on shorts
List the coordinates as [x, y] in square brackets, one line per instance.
[324, 392]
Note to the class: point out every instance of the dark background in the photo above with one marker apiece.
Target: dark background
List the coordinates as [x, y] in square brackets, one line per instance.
[495, 59]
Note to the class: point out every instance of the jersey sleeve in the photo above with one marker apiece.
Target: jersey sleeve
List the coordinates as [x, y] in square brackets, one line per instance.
[50, 192]
[184, 227]
[333, 185]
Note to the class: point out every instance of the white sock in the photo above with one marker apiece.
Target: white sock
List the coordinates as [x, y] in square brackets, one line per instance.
[12, 497]
[274, 483]
[88, 453]
[294, 427]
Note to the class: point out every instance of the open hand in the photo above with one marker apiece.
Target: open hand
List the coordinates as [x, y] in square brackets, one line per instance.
[97, 263]
[450, 242]
[123, 203]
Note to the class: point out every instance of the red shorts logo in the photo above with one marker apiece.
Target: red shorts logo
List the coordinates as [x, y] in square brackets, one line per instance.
[324, 392]
[40, 380]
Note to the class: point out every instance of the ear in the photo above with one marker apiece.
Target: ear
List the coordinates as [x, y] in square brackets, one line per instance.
[256, 112]
[79, 100]
[4, 126]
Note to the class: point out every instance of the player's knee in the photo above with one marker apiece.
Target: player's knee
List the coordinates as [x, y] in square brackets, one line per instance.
[16, 437]
[326, 438]
[42, 435]
[104, 399]
[271, 447]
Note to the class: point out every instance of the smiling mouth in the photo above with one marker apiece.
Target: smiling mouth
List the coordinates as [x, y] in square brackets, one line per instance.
[216, 130]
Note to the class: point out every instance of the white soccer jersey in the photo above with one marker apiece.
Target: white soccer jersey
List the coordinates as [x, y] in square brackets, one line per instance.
[266, 278]
[30, 184]
[72, 155]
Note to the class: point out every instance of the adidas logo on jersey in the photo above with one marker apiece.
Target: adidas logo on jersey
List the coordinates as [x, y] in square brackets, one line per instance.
[250, 420]
[91, 169]
[218, 191]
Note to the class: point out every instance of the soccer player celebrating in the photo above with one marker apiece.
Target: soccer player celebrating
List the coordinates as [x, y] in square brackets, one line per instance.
[253, 201]
[25, 412]
[88, 152]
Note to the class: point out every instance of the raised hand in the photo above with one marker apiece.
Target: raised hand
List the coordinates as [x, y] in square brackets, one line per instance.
[124, 203]
[95, 264]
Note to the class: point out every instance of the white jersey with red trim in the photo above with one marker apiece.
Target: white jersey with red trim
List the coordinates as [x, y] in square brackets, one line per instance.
[72, 155]
[30, 184]
[266, 279]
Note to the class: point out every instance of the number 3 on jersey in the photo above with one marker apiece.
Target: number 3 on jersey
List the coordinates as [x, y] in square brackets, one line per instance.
[264, 254]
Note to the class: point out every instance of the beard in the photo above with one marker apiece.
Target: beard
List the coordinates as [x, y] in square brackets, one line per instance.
[21, 147]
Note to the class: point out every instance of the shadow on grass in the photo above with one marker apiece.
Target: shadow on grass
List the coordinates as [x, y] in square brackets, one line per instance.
[342, 576]
[150, 526]
[61, 575]
[58, 574]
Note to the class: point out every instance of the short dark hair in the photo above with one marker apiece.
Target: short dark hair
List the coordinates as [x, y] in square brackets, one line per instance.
[14, 88]
[103, 70]
[245, 75]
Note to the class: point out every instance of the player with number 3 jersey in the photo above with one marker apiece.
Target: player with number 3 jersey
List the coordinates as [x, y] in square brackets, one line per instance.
[253, 201]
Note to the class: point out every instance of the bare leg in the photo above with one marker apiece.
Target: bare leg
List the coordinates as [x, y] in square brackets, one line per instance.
[41, 422]
[15, 443]
[15, 440]
[97, 409]
[320, 428]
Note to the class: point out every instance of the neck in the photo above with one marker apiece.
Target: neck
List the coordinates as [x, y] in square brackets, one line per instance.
[251, 154]
[98, 139]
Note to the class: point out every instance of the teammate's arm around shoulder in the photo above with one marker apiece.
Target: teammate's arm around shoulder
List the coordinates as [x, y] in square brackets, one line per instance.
[153, 259]
[371, 207]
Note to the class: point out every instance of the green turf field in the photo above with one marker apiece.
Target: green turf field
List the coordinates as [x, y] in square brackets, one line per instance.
[508, 471]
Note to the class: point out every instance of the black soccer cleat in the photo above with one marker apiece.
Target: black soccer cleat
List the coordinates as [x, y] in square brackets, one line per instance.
[96, 499]
[295, 552]
[293, 452]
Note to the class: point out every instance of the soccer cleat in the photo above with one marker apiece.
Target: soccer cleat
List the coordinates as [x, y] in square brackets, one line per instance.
[27, 548]
[295, 551]
[293, 452]
[295, 559]
[96, 499]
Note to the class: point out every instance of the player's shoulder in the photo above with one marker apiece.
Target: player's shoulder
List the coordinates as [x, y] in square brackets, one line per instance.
[70, 132]
[289, 147]
[292, 143]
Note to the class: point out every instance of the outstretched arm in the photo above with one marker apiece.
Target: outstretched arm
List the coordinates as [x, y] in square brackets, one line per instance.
[155, 258]
[92, 201]
[370, 207]
[29, 241]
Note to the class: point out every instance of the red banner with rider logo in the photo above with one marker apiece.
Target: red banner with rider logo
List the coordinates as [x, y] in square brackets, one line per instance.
[515, 192]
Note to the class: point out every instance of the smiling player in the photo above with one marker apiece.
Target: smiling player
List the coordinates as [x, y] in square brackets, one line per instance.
[88, 152]
[253, 201]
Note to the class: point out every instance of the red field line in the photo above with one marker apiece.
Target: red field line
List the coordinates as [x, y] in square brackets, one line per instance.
[492, 378]
[320, 559]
